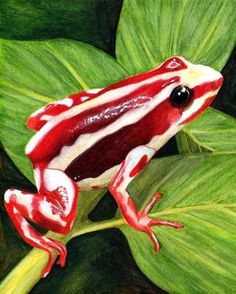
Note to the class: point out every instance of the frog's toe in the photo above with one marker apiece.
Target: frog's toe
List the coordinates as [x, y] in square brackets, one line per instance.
[156, 222]
[153, 238]
[149, 222]
[162, 222]
[61, 249]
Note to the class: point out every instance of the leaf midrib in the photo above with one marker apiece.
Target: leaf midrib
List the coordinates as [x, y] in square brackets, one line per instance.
[27, 92]
[192, 208]
[67, 65]
[90, 226]
[186, 132]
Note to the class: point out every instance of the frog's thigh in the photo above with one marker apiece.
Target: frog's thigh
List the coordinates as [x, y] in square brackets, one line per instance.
[35, 207]
[60, 197]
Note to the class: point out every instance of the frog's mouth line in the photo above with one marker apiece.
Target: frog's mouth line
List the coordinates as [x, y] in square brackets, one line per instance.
[202, 102]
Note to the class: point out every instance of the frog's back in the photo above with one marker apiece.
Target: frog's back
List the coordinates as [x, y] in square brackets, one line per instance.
[94, 137]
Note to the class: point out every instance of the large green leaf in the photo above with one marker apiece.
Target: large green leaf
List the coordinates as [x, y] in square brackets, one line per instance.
[214, 131]
[199, 191]
[34, 73]
[151, 31]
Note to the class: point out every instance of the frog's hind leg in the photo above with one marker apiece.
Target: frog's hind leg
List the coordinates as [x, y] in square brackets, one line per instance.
[54, 208]
[131, 166]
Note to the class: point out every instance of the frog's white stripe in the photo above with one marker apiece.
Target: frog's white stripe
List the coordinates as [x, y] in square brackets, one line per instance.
[85, 141]
[66, 101]
[106, 97]
[94, 91]
[196, 105]
[45, 208]
[26, 200]
[101, 181]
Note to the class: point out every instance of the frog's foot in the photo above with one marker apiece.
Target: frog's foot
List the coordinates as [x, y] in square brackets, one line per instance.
[53, 208]
[29, 234]
[145, 223]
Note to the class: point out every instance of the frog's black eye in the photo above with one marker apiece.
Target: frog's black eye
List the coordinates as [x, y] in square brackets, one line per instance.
[181, 96]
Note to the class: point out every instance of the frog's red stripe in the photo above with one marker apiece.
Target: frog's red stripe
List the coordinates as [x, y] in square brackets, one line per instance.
[93, 119]
[36, 122]
[202, 89]
[112, 149]
[170, 65]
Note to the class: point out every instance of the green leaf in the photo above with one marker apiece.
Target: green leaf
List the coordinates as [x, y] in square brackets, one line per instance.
[34, 73]
[151, 31]
[214, 131]
[199, 191]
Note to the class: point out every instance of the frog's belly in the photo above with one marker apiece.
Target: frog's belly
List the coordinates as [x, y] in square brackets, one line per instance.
[101, 181]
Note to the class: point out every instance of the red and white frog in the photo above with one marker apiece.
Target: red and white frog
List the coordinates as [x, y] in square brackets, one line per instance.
[104, 137]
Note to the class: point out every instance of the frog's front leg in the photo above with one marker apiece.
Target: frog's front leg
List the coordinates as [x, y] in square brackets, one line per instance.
[53, 207]
[140, 221]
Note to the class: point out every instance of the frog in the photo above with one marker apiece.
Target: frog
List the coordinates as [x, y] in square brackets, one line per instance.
[103, 138]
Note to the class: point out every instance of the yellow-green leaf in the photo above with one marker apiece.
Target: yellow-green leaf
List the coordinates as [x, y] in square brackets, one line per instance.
[199, 191]
[151, 31]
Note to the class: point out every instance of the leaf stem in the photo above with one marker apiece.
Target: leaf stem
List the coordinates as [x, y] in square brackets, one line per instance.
[98, 226]
[27, 272]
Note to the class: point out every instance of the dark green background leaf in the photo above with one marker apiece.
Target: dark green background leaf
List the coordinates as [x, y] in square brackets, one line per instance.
[226, 99]
[96, 265]
[12, 247]
[90, 21]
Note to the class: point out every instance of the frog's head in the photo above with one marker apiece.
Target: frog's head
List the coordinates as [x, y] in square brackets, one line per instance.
[193, 89]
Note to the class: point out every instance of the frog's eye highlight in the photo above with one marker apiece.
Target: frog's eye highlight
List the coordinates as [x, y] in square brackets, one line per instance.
[181, 96]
